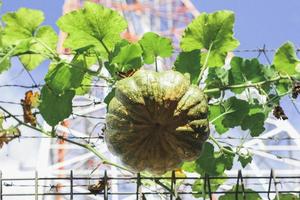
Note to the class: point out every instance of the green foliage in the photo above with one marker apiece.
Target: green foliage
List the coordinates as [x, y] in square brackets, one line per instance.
[245, 160]
[4, 63]
[285, 59]
[218, 161]
[155, 46]
[125, 57]
[109, 96]
[189, 62]
[245, 71]
[21, 25]
[55, 107]
[248, 196]
[216, 78]
[236, 112]
[65, 77]
[85, 85]
[287, 197]
[212, 32]
[198, 186]
[31, 41]
[92, 25]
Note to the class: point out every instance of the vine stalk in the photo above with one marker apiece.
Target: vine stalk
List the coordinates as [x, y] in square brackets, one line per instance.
[246, 85]
[204, 65]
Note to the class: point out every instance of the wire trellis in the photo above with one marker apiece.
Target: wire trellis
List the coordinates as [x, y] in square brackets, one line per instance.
[171, 190]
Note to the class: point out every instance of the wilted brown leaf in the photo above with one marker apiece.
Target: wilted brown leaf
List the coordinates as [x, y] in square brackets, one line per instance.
[31, 101]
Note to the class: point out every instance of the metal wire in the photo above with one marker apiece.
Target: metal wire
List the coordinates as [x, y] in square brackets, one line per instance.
[138, 180]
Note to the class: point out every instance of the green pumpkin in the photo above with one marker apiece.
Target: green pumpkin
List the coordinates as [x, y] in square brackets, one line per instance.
[156, 121]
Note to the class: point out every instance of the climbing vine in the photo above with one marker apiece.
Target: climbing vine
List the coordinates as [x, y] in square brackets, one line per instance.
[94, 37]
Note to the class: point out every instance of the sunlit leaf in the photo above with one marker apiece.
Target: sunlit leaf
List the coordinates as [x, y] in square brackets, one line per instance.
[155, 46]
[22, 29]
[285, 59]
[92, 25]
[65, 76]
[211, 31]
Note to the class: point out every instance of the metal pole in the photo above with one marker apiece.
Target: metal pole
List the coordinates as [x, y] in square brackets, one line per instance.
[1, 185]
[36, 184]
[71, 185]
[105, 186]
[172, 186]
[138, 184]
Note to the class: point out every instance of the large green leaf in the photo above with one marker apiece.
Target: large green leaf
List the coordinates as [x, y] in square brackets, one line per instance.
[48, 37]
[189, 62]
[154, 45]
[127, 57]
[21, 25]
[236, 112]
[245, 71]
[249, 196]
[218, 161]
[285, 59]
[211, 31]
[92, 25]
[32, 40]
[64, 77]
[55, 107]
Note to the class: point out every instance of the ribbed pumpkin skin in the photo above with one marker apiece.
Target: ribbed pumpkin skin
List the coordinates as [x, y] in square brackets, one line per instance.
[156, 121]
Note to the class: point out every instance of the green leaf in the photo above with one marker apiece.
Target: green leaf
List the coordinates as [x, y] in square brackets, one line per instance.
[245, 71]
[287, 197]
[285, 59]
[211, 31]
[255, 123]
[65, 77]
[216, 78]
[240, 109]
[236, 112]
[127, 57]
[154, 45]
[109, 96]
[92, 25]
[189, 166]
[218, 161]
[189, 62]
[4, 63]
[216, 116]
[21, 25]
[55, 107]
[249, 196]
[245, 160]
[23, 30]
[198, 186]
[85, 85]
[48, 37]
